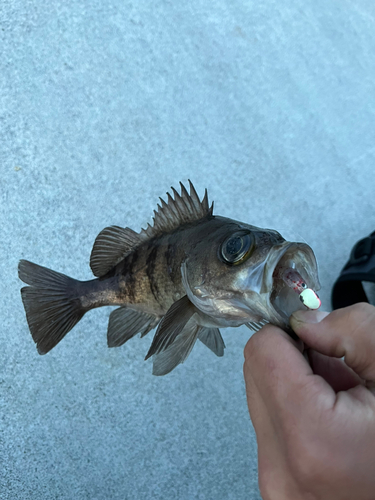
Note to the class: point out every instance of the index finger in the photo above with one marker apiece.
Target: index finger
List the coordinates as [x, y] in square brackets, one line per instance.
[347, 332]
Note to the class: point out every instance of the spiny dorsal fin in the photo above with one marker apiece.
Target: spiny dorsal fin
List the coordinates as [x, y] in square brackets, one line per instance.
[110, 247]
[184, 208]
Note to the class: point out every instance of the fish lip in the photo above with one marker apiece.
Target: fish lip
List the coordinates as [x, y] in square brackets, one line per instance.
[289, 254]
[301, 255]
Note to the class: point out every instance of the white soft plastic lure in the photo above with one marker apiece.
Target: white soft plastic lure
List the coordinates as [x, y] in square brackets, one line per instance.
[307, 296]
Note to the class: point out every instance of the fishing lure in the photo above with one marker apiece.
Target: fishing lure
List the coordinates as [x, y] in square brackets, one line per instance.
[307, 296]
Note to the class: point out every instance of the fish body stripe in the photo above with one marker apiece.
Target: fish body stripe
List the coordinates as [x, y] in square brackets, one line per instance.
[151, 271]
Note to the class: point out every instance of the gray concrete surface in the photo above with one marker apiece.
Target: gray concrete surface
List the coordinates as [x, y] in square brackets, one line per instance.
[104, 106]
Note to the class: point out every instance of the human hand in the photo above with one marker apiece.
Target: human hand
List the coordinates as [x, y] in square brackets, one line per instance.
[315, 423]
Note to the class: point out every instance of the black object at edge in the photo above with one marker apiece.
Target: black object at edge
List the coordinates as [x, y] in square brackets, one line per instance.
[360, 267]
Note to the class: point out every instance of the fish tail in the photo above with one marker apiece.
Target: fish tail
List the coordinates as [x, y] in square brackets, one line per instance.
[52, 304]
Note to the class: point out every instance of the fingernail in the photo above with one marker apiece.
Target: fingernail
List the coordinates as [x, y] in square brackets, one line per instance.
[308, 316]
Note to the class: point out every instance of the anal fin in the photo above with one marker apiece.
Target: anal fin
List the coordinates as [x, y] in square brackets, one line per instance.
[124, 323]
[211, 338]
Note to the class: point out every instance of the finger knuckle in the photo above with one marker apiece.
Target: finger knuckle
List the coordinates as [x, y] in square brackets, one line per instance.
[362, 311]
[359, 319]
[362, 319]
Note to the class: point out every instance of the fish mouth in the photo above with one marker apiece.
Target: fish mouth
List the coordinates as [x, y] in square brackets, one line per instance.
[283, 299]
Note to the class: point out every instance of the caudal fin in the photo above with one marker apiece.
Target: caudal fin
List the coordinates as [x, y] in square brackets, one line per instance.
[51, 303]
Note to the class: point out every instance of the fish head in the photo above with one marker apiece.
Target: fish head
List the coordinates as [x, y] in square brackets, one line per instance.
[232, 274]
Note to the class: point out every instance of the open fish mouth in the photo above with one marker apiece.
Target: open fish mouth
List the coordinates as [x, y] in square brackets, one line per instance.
[290, 271]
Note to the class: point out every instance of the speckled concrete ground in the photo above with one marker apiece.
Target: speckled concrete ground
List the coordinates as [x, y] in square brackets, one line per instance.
[104, 106]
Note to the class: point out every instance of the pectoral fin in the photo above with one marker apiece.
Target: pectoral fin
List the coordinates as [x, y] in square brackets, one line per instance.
[211, 338]
[171, 326]
[166, 360]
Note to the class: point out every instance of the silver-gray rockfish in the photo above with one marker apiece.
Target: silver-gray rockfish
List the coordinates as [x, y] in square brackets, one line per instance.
[190, 273]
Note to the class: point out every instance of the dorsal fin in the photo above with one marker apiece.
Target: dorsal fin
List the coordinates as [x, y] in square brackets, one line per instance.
[181, 209]
[114, 243]
[111, 246]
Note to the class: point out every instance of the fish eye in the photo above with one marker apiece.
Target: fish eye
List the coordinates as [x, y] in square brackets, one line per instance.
[236, 248]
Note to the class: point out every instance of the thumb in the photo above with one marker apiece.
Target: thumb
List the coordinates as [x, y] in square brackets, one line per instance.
[347, 332]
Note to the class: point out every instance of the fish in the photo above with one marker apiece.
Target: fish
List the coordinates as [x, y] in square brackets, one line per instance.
[189, 273]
